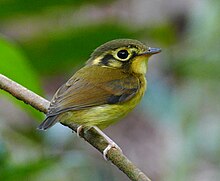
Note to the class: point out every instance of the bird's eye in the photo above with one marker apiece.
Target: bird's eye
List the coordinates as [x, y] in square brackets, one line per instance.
[123, 54]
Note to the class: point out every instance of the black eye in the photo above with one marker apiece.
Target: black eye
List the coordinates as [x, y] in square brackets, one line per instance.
[123, 54]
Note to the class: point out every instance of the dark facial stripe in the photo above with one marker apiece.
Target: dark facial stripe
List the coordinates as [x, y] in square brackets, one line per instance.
[106, 58]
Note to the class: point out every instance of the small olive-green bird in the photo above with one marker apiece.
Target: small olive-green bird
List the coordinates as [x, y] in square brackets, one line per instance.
[109, 86]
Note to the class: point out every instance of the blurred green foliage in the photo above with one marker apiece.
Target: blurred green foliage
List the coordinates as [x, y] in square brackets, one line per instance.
[27, 171]
[15, 65]
[12, 8]
[73, 47]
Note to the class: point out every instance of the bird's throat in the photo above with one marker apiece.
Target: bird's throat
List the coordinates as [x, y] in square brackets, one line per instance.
[139, 65]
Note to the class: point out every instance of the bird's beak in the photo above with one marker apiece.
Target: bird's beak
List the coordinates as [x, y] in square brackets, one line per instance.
[151, 51]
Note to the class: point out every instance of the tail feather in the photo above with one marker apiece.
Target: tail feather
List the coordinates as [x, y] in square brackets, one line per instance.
[48, 122]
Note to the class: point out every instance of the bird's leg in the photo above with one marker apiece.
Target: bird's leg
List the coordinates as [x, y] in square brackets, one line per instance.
[111, 144]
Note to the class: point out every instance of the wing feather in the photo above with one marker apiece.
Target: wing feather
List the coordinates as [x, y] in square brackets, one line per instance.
[81, 93]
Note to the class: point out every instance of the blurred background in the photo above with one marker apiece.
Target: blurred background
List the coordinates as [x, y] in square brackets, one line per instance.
[173, 135]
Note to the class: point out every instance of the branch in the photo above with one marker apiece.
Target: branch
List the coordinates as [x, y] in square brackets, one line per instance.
[91, 136]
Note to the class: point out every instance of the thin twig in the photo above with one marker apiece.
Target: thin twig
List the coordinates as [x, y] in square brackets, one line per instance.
[91, 136]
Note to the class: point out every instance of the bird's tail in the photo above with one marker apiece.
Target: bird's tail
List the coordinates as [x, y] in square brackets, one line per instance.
[48, 122]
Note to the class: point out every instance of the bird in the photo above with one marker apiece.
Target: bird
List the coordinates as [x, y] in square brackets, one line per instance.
[109, 86]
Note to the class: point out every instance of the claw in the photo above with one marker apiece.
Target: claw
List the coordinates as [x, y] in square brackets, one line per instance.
[79, 129]
[110, 145]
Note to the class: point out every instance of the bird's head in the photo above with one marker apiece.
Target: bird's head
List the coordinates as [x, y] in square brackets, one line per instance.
[126, 54]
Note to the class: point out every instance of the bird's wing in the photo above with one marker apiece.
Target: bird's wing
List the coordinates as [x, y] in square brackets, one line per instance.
[94, 90]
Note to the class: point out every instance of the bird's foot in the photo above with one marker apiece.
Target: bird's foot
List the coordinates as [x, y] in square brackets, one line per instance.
[110, 146]
[79, 130]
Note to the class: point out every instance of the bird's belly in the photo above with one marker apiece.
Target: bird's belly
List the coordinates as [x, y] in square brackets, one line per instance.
[100, 116]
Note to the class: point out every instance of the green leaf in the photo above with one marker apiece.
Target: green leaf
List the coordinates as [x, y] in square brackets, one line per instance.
[14, 65]
[28, 171]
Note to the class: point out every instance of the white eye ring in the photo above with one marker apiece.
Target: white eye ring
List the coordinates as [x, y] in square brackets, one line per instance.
[122, 55]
